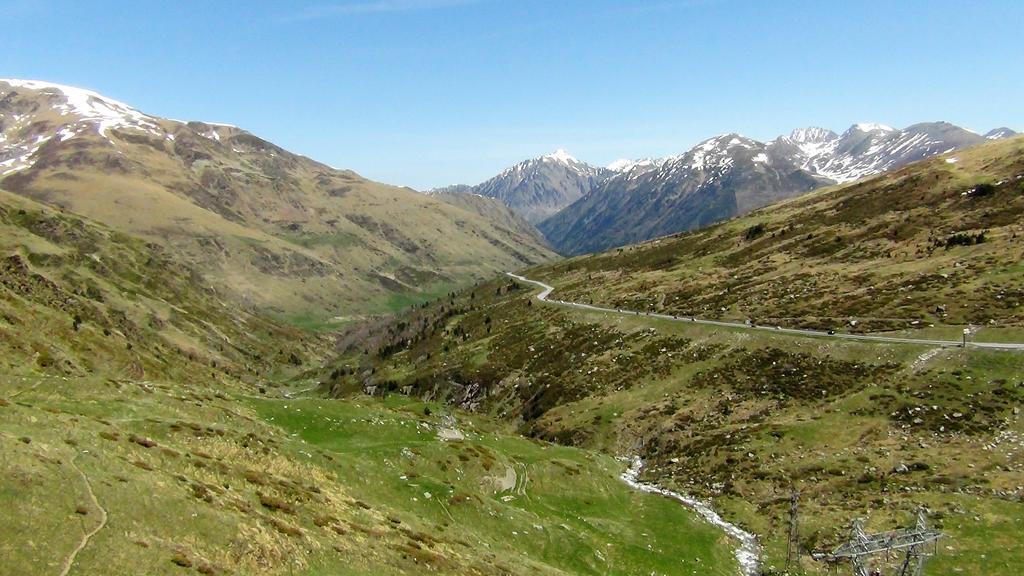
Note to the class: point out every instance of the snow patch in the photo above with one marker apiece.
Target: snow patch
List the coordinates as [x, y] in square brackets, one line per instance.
[23, 161]
[873, 127]
[625, 165]
[66, 133]
[621, 165]
[561, 155]
[94, 108]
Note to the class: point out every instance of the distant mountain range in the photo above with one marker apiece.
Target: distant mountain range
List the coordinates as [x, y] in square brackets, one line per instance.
[540, 187]
[591, 208]
[276, 229]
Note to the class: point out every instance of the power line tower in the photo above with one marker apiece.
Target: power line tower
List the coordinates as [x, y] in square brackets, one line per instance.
[915, 544]
[793, 545]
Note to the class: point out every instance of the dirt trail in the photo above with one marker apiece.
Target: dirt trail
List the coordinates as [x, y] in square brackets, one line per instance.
[69, 562]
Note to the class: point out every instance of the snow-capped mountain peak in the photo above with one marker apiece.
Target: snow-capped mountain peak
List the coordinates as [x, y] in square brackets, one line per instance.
[539, 187]
[621, 165]
[870, 148]
[729, 174]
[562, 156]
[624, 165]
[868, 127]
[88, 107]
[714, 152]
[998, 133]
[71, 112]
[811, 135]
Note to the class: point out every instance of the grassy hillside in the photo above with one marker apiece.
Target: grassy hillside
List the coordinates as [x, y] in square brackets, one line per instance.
[896, 252]
[80, 299]
[145, 427]
[172, 478]
[743, 417]
[268, 227]
[494, 211]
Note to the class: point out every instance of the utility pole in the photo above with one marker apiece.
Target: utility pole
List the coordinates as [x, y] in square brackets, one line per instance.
[793, 545]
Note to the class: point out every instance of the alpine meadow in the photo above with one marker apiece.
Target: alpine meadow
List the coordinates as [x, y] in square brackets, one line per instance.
[773, 325]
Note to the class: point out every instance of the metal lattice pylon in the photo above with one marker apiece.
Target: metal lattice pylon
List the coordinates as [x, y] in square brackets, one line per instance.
[916, 544]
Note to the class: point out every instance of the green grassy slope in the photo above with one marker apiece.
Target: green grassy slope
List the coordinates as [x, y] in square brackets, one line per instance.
[143, 430]
[742, 417]
[183, 481]
[80, 299]
[495, 211]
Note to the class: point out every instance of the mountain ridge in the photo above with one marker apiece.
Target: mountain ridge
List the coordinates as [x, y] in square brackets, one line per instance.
[282, 231]
[539, 187]
[686, 191]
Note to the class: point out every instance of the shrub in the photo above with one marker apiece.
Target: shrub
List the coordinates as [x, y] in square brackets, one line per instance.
[181, 559]
[981, 190]
[964, 239]
[142, 441]
[274, 503]
[754, 232]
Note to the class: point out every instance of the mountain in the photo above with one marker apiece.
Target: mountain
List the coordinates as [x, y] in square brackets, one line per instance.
[720, 177]
[866, 149]
[157, 426]
[729, 175]
[453, 189]
[78, 299]
[540, 187]
[743, 417]
[998, 133]
[501, 216]
[278, 230]
[627, 165]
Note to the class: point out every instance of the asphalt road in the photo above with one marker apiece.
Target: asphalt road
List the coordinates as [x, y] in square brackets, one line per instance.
[543, 296]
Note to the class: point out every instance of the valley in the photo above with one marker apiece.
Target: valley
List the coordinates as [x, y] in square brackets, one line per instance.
[158, 406]
[885, 415]
[149, 426]
[740, 417]
[218, 356]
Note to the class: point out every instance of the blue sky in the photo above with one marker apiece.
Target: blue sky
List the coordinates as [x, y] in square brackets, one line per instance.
[432, 92]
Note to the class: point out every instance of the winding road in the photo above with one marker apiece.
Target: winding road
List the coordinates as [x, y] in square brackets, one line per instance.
[543, 297]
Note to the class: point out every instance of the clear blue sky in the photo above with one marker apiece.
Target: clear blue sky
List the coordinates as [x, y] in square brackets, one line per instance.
[432, 92]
